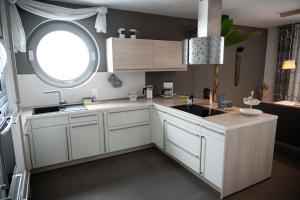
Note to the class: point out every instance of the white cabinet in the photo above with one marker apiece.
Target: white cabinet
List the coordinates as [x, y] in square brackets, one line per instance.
[50, 145]
[128, 116]
[157, 129]
[183, 143]
[120, 138]
[212, 155]
[85, 139]
[128, 128]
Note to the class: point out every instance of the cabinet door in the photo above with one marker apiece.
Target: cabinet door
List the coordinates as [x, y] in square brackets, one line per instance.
[212, 153]
[50, 145]
[128, 136]
[130, 54]
[85, 139]
[183, 143]
[157, 136]
[168, 56]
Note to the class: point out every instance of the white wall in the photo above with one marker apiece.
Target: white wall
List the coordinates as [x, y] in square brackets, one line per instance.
[32, 89]
[271, 62]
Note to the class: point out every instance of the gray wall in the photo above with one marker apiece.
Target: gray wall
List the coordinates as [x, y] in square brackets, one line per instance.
[200, 76]
[171, 28]
[150, 27]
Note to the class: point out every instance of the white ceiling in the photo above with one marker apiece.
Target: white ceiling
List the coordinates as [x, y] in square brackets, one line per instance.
[257, 13]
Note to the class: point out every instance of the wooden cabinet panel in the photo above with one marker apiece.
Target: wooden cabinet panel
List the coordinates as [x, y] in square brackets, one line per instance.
[85, 139]
[129, 54]
[168, 56]
[50, 145]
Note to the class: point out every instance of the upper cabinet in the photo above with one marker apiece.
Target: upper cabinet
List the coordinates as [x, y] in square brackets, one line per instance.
[143, 55]
[129, 54]
[168, 56]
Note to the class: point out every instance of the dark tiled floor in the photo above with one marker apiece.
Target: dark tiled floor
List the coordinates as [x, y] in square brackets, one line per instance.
[150, 175]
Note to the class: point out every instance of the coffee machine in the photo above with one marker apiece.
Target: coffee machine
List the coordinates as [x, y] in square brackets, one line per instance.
[167, 91]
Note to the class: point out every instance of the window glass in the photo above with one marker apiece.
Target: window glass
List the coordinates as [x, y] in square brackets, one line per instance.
[63, 54]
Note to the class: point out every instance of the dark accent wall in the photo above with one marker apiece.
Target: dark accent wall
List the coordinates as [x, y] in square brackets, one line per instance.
[171, 28]
[150, 27]
[199, 77]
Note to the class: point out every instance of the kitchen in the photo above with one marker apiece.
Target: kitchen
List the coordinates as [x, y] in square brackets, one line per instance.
[124, 85]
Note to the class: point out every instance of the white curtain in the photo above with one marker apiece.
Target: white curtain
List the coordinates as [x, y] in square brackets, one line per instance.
[51, 12]
[294, 82]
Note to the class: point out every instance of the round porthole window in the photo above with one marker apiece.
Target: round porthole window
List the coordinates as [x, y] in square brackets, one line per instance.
[63, 54]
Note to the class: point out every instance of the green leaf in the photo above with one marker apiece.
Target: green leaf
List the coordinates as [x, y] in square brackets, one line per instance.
[227, 27]
[225, 17]
[233, 36]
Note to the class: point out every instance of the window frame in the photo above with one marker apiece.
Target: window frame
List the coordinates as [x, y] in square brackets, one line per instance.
[55, 25]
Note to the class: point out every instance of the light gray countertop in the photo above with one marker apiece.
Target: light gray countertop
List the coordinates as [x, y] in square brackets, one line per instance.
[225, 121]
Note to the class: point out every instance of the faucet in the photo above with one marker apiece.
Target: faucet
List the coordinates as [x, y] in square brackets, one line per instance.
[61, 102]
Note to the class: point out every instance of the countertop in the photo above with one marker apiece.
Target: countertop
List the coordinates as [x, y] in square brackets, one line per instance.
[225, 121]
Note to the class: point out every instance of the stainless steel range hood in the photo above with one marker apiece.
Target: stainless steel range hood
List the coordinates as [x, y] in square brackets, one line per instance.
[208, 47]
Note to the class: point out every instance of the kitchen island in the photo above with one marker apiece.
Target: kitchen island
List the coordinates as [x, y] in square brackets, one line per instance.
[228, 151]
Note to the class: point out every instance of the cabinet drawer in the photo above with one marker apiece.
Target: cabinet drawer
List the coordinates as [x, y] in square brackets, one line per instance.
[184, 137]
[49, 121]
[85, 139]
[191, 161]
[83, 117]
[128, 137]
[129, 116]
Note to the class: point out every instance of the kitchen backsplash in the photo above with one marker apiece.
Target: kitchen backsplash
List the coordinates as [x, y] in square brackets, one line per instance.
[32, 89]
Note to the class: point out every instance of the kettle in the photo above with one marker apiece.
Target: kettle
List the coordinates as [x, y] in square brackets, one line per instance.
[148, 91]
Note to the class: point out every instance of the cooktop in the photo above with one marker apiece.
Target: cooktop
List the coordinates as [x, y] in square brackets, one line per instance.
[198, 110]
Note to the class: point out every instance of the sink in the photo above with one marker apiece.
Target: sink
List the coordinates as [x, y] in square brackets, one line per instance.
[65, 108]
[73, 107]
[43, 110]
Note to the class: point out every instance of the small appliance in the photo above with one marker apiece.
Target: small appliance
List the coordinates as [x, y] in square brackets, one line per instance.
[167, 91]
[206, 93]
[148, 91]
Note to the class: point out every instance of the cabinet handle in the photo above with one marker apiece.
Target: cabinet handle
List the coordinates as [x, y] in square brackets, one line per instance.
[183, 149]
[212, 130]
[68, 151]
[201, 153]
[132, 126]
[84, 125]
[164, 133]
[81, 116]
[184, 129]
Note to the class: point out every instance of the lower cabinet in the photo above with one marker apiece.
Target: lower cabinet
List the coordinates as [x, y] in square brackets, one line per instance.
[124, 137]
[183, 143]
[50, 145]
[212, 155]
[85, 139]
[157, 129]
